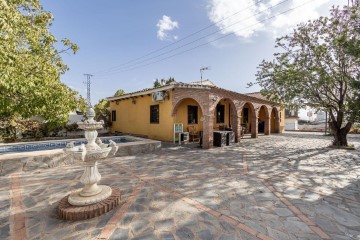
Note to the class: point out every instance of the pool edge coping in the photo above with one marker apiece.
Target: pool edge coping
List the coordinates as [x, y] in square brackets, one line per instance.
[17, 155]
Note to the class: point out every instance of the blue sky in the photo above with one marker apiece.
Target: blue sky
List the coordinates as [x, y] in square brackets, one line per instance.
[111, 33]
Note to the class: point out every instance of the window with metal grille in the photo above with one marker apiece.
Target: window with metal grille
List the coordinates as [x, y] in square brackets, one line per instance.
[154, 114]
[220, 113]
[192, 114]
[113, 116]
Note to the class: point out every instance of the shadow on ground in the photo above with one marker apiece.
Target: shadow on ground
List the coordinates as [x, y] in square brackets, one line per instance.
[185, 192]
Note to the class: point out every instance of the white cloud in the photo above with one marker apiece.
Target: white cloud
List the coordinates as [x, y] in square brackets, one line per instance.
[219, 10]
[252, 17]
[166, 25]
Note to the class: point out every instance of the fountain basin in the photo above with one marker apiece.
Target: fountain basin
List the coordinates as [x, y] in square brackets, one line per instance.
[92, 155]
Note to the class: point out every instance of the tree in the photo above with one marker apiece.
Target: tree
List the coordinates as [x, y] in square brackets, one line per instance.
[119, 93]
[101, 107]
[170, 80]
[158, 83]
[81, 104]
[314, 69]
[352, 47]
[31, 65]
[102, 112]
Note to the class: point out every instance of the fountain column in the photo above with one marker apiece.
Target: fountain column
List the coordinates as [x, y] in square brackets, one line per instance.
[93, 199]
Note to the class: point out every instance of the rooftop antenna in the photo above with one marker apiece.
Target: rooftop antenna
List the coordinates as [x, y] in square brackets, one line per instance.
[88, 84]
[201, 72]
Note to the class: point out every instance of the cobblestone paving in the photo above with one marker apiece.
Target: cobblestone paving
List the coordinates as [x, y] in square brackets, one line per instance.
[289, 186]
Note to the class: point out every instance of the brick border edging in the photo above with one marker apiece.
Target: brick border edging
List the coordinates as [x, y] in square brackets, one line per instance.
[70, 212]
[17, 220]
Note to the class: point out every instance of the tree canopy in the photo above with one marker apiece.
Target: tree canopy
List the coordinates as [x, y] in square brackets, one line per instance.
[318, 66]
[157, 82]
[31, 65]
[101, 111]
[119, 93]
[101, 108]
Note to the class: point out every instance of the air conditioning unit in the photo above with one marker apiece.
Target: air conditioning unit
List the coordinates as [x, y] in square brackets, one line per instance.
[158, 96]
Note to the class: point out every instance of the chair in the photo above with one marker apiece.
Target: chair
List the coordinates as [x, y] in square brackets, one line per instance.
[221, 127]
[193, 134]
[179, 134]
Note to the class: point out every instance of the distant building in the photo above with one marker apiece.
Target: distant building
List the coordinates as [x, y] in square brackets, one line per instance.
[310, 115]
[291, 120]
[75, 117]
[321, 116]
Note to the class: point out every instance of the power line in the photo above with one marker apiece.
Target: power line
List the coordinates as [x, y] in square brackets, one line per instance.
[214, 40]
[180, 40]
[196, 40]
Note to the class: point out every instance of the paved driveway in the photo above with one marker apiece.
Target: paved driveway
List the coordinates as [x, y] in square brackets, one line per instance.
[288, 186]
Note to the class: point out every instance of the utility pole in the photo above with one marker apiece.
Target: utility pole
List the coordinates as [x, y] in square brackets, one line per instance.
[88, 85]
[201, 72]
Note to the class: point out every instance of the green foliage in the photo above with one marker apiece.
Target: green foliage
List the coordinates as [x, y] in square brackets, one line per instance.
[72, 127]
[31, 65]
[317, 67]
[170, 80]
[101, 108]
[26, 129]
[102, 112]
[157, 83]
[352, 47]
[81, 104]
[119, 93]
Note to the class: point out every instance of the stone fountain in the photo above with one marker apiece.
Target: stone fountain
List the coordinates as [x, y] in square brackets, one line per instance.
[92, 200]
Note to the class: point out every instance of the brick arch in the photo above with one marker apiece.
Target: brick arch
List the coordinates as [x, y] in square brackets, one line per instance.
[235, 114]
[253, 120]
[267, 114]
[178, 103]
[275, 120]
[235, 105]
[264, 121]
[250, 104]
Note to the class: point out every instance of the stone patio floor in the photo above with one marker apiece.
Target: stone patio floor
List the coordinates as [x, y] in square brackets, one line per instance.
[289, 186]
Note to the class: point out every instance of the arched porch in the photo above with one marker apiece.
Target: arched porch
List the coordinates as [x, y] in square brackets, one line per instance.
[189, 112]
[249, 119]
[275, 121]
[226, 117]
[264, 120]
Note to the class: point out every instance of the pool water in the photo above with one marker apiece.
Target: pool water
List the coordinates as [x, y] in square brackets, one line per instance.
[57, 144]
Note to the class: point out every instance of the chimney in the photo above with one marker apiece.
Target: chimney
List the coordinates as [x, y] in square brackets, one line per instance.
[163, 82]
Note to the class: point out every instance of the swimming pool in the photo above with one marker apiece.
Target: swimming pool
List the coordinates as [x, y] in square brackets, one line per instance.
[56, 144]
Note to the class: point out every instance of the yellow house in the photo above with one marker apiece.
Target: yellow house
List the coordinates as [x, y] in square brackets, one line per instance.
[200, 105]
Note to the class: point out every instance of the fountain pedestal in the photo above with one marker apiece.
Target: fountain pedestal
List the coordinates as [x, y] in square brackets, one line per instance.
[91, 193]
[93, 199]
